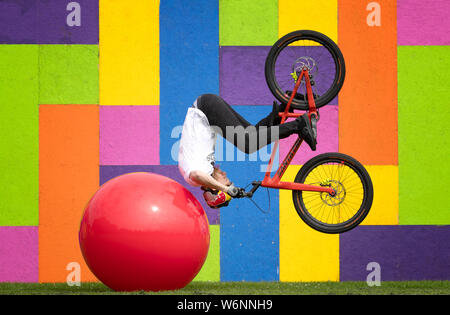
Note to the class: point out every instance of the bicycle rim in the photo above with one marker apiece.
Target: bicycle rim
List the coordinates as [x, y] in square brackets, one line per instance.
[316, 52]
[338, 213]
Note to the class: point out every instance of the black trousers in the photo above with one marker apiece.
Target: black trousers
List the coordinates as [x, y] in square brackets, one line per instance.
[233, 127]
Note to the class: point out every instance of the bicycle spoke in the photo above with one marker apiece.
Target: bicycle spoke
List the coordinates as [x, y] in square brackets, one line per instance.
[349, 196]
[309, 50]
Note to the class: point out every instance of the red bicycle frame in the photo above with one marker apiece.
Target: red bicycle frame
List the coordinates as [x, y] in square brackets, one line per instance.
[275, 181]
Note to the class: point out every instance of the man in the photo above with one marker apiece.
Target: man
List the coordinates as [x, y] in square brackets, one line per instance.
[210, 115]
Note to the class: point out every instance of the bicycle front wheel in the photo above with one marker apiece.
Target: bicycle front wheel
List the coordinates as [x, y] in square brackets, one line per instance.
[347, 206]
[310, 49]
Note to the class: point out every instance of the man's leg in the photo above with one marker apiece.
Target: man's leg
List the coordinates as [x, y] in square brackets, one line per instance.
[239, 131]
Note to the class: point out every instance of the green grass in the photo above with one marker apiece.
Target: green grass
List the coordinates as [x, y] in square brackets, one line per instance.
[244, 288]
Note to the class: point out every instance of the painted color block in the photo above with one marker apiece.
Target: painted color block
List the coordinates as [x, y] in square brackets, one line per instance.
[108, 172]
[211, 268]
[327, 138]
[368, 99]
[384, 209]
[68, 177]
[48, 22]
[404, 253]
[242, 78]
[248, 23]
[189, 44]
[305, 254]
[129, 135]
[19, 135]
[249, 236]
[129, 48]
[423, 22]
[68, 74]
[319, 15]
[61, 23]
[19, 254]
[424, 145]
[18, 22]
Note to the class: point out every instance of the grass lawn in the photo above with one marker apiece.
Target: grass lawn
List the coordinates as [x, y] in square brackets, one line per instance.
[244, 288]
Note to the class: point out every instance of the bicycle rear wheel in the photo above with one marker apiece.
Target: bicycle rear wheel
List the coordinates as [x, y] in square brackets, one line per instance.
[310, 49]
[351, 202]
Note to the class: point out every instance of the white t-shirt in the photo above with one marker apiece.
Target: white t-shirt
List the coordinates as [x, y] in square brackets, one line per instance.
[197, 143]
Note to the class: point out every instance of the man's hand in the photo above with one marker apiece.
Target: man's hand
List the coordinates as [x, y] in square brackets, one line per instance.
[206, 180]
[235, 192]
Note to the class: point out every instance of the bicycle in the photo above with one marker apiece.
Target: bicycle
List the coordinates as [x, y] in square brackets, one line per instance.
[332, 192]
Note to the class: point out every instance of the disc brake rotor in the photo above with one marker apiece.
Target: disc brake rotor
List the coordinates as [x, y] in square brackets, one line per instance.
[306, 63]
[338, 197]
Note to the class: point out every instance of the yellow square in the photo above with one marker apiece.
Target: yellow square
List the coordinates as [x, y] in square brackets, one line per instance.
[129, 52]
[305, 254]
[317, 15]
[384, 209]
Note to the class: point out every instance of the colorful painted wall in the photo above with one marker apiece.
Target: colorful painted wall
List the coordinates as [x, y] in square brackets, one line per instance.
[93, 89]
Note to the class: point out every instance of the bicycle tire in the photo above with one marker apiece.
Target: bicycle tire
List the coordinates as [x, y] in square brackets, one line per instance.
[360, 214]
[317, 37]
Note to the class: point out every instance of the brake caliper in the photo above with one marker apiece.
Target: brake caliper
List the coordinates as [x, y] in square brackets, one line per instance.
[294, 76]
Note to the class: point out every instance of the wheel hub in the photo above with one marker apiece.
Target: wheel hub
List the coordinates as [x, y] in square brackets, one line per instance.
[337, 197]
[304, 63]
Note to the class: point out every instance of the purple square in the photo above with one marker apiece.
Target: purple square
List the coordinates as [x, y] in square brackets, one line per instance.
[242, 77]
[68, 22]
[49, 22]
[18, 22]
[404, 253]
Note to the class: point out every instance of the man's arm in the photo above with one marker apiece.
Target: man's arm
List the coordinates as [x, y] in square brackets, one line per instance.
[206, 180]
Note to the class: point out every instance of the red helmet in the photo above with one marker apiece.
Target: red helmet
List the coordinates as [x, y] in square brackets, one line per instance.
[216, 198]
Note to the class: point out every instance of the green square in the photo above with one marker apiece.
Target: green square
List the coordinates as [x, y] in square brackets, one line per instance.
[248, 23]
[19, 135]
[423, 134]
[211, 268]
[68, 74]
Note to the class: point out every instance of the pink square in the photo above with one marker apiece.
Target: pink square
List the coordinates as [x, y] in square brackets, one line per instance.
[423, 22]
[19, 254]
[327, 138]
[129, 135]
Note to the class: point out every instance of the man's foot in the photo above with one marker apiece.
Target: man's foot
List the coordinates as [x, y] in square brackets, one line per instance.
[305, 131]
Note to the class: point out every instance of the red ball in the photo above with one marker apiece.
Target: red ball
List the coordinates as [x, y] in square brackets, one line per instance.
[143, 231]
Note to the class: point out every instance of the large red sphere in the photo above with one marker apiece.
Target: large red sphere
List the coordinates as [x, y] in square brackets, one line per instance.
[143, 231]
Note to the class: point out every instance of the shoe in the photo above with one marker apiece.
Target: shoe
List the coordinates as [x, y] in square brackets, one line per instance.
[305, 131]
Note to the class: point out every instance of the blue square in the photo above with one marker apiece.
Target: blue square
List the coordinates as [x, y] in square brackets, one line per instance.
[189, 64]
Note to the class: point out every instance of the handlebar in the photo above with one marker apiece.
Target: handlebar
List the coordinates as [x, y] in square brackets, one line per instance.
[249, 194]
